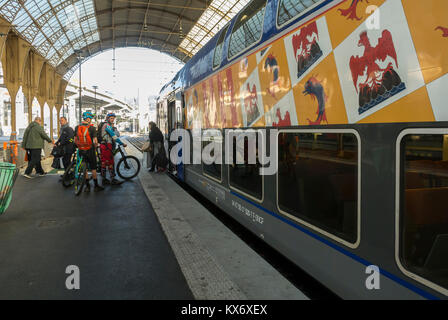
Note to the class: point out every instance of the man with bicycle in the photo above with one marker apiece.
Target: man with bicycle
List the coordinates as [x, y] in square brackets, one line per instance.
[108, 140]
[85, 139]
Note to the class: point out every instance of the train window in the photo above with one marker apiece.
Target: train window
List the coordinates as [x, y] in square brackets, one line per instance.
[245, 178]
[290, 9]
[248, 27]
[317, 181]
[423, 235]
[213, 170]
[217, 56]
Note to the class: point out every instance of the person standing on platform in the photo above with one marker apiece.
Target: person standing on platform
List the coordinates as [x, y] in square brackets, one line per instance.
[33, 143]
[157, 150]
[86, 140]
[109, 138]
[66, 141]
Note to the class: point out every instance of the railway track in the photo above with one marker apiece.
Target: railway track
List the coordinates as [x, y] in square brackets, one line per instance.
[137, 141]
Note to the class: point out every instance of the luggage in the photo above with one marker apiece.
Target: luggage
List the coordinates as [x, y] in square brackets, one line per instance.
[57, 163]
[161, 159]
[58, 151]
[146, 146]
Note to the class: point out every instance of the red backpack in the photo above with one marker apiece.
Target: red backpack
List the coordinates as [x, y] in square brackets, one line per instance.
[83, 139]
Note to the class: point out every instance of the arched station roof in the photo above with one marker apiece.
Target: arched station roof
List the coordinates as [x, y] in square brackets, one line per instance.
[61, 29]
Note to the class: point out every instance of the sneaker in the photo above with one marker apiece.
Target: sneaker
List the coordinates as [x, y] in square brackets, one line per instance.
[98, 188]
[27, 176]
[87, 188]
[151, 170]
[115, 182]
[106, 181]
[42, 174]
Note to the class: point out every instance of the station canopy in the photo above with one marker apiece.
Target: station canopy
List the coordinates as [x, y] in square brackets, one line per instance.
[64, 30]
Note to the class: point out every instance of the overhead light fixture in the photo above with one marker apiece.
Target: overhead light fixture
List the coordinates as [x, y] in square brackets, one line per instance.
[181, 33]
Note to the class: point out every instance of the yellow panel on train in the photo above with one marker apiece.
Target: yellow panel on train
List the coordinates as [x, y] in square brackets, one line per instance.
[414, 107]
[274, 74]
[348, 16]
[428, 22]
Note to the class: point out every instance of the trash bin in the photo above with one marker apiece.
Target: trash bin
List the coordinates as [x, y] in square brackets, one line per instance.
[8, 176]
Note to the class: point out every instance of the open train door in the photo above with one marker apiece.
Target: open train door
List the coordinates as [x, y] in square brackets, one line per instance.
[175, 121]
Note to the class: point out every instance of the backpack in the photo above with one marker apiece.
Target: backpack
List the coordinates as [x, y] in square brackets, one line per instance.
[83, 139]
[99, 132]
[161, 160]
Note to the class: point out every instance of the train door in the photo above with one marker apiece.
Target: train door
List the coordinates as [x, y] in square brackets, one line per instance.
[175, 121]
[180, 124]
[171, 126]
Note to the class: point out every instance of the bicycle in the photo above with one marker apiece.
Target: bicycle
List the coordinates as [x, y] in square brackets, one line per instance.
[128, 167]
[80, 173]
[68, 178]
[75, 173]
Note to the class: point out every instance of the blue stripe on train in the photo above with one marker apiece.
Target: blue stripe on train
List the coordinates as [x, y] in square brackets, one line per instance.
[402, 282]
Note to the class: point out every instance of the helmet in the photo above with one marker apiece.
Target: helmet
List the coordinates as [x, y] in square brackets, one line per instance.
[87, 115]
[110, 115]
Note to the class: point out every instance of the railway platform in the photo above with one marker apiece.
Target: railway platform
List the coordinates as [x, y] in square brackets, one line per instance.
[144, 239]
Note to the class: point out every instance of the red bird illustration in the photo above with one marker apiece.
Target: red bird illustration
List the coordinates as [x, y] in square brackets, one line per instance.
[285, 122]
[350, 12]
[384, 49]
[444, 30]
[306, 47]
[301, 42]
[378, 81]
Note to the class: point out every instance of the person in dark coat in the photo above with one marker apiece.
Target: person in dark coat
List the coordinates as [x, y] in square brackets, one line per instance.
[156, 141]
[66, 141]
[33, 143]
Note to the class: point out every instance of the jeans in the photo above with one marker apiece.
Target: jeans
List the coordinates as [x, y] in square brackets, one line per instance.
[67, 160]
[34, 156]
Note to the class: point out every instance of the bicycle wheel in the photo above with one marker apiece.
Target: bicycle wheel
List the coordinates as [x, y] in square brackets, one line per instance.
[128, 167]
[69, 175]
[80, 178]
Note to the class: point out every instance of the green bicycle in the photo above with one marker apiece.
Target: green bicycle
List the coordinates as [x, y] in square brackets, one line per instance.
[75, 173]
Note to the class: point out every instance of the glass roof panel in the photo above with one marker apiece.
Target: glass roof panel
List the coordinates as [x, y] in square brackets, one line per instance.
[9, 9]
[53, 25]
[216, 16]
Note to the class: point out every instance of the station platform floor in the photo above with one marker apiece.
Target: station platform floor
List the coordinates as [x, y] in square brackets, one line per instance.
[144, 239]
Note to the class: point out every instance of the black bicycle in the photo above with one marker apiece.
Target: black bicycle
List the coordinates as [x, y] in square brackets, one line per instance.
[68, 178]
[128, 167]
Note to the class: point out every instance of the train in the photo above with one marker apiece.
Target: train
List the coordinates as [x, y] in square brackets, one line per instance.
[353, 93]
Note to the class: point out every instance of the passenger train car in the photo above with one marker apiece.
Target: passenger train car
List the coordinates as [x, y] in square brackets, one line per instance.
[357, 91]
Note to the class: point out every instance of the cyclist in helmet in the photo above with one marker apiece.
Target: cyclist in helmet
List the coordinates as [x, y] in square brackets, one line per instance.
[85, 139]
[109, 139]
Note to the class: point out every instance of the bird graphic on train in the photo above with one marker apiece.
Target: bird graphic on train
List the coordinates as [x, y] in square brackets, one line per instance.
[251, 104]
[314, 88]
[285, 122]
[380, 83]
[350, 12]
[306, 48]
[444, 31]
[271, 65]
